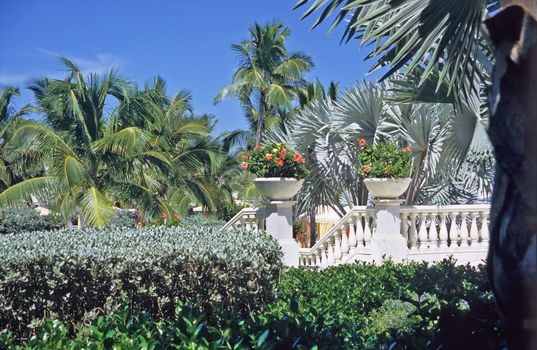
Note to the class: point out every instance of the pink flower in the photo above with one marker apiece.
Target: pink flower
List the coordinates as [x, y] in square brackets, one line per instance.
[362, 142]
[280, 162]
[244, 165]
[163, 215]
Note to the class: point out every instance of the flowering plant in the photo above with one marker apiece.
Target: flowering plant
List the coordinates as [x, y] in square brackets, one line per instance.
[275, 160]
[384, 160]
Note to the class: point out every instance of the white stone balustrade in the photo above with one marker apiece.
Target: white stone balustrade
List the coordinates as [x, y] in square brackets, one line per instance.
[248, 218]
[430, 233]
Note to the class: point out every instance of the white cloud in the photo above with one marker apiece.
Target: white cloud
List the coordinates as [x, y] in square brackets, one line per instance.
[99, 63]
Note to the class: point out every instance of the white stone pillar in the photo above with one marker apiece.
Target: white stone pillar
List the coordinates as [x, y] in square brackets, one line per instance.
[387, 240]
[279, 224]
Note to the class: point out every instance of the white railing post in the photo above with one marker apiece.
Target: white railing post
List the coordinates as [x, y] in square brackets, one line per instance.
[484, 229]
[352, 234]
[387, 240]
[443, 235]
[279, 224]
[367, 230]
[412, 234]
[337, 245]
[344, 239]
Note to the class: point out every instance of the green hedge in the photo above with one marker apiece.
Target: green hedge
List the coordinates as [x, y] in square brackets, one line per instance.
[74, 275]
[15, 220]
[404, 305]
[361, 306]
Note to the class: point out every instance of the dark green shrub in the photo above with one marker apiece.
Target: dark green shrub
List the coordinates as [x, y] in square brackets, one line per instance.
[16, 220]
[360, 306]
[123, 218]
[453, 304]
[82, 273]
[209, 222]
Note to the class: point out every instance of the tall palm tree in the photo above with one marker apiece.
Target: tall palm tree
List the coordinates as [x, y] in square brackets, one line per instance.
[268, 76]
[8, 117]
[86, 161]
[182, 137]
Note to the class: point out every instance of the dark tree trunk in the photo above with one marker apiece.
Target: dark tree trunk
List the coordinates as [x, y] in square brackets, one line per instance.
[313, 228]
[260, 120]
[512, 260]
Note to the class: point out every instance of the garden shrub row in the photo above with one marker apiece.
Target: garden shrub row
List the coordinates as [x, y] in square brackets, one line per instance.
[15, 220]
[360, 306]
[73, 275]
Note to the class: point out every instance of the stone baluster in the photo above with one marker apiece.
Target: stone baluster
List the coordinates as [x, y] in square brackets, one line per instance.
[344, 239]
[324, 255]
[412, 234]
[465, 242]
[443, 235]
[433, 232]
[337, 244]
[367, 230]
[352, 234]
[474, 233]
[330, 258]
[318, 261]
[484, 228]
[359, 232]
[453, 231]
[404, 226]
[422, 233]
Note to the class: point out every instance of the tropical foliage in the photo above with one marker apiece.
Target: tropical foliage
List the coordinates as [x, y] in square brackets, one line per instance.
[275, 160]
[327, 133]
[150, 154]
[10, 172]
[268, 78]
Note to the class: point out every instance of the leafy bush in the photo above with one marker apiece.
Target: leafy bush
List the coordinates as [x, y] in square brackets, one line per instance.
[445, 304]
[275, 160]
[15, 220]
[123, 218]
[384, 160]
[79, 274]
[359, 306]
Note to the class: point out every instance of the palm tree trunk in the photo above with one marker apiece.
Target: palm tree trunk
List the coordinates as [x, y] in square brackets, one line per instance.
[512, 260]
[260, 119]
[313, 228]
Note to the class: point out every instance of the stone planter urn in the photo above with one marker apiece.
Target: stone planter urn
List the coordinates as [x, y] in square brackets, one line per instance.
[386, 188]
[278, 188]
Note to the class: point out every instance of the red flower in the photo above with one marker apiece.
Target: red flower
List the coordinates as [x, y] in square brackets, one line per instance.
[280, 162]
[163, 215]
[244, 165]
[367, 168]
[362, 142]
[298, 158]
[175, 216]
[283, 153]
[407, 149]
[268, 156]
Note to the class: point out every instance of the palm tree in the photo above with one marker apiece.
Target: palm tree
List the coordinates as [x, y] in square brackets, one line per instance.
[184, 139]
[87, 163]
[327, 131]
[444, 43]
[268, 76]
[8, 118]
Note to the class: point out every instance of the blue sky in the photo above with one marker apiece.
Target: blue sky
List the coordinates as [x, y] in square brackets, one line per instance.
[186, 42]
